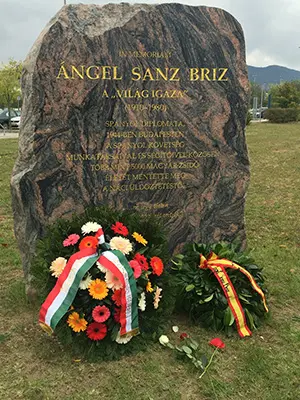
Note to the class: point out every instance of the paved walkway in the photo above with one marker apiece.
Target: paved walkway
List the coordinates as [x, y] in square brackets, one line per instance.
[9, 134]
[259, 120]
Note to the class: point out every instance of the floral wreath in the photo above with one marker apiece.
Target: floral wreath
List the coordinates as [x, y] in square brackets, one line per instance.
[114, 273]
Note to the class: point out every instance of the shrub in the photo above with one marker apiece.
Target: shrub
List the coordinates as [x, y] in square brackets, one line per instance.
[248, 118]
[282, 115]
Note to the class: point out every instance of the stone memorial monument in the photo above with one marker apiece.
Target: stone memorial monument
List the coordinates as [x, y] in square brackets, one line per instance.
[138, 107]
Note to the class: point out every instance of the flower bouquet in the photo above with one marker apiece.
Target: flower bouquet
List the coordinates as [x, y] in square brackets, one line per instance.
[107, 284]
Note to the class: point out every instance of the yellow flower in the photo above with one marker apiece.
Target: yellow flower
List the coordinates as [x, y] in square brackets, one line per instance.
[98, 289]
[149, 287]
[139, 238]
[76, 323]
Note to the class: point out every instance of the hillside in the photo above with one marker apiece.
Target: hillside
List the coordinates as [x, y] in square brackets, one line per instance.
[272, 74]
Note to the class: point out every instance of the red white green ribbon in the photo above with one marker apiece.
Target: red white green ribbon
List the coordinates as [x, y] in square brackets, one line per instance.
[117, 264]
[62, 295]
[100, 236]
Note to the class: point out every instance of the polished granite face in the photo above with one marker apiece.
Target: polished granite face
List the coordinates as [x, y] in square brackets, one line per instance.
[135, 106]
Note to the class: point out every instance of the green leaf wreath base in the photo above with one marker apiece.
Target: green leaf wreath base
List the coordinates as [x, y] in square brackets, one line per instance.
[199, 293]
[152, 322]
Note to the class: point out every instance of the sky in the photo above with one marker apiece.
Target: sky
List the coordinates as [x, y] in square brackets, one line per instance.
[271, 27]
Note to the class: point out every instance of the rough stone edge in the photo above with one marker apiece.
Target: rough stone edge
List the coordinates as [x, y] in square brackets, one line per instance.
[27, 130]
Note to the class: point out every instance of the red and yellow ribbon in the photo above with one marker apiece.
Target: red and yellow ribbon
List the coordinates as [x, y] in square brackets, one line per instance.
[218, 267]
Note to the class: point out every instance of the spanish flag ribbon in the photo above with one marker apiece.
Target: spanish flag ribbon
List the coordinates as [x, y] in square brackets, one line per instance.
[218, 267]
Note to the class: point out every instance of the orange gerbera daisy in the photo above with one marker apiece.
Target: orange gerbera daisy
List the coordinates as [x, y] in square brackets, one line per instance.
[88, 241]
[157, 265]
[76, 323]
[98, 289]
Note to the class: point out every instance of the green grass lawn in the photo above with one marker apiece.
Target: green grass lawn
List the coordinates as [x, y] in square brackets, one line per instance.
[263, 367]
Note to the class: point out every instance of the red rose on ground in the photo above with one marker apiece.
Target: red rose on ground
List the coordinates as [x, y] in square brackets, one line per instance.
[217, 342]
[184, 336]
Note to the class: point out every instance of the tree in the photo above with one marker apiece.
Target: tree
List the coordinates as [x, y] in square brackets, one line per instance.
[286, 95]
[257, 91]
[10, 75]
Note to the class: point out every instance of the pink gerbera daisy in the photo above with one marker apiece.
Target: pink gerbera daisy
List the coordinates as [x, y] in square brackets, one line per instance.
[112, 281]
[137, 269]
[71, 240]
[100, 313]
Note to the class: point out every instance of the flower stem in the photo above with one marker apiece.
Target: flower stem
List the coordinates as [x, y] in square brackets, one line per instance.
[210, 361]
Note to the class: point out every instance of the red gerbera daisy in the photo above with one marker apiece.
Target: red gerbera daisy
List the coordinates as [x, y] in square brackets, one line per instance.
[100, 313]
[142, 260]
[120, 228]
[117, 314]
[117, 297]
[88, 241]
[157, 265]
[96, 331]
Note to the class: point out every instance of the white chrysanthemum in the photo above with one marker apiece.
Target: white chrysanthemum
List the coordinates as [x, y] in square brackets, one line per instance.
[121, 244]
[163, 340]
[112, 281]
[85, 282]
[175, 328]
[57, 266]
[90, 227]
[142, 302]
[124, 339]
[102, 269]
[157, 297]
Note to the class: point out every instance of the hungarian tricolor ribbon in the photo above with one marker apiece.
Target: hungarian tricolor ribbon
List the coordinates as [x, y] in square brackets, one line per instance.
[62, 295]
[117, 264]
[218, 267]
